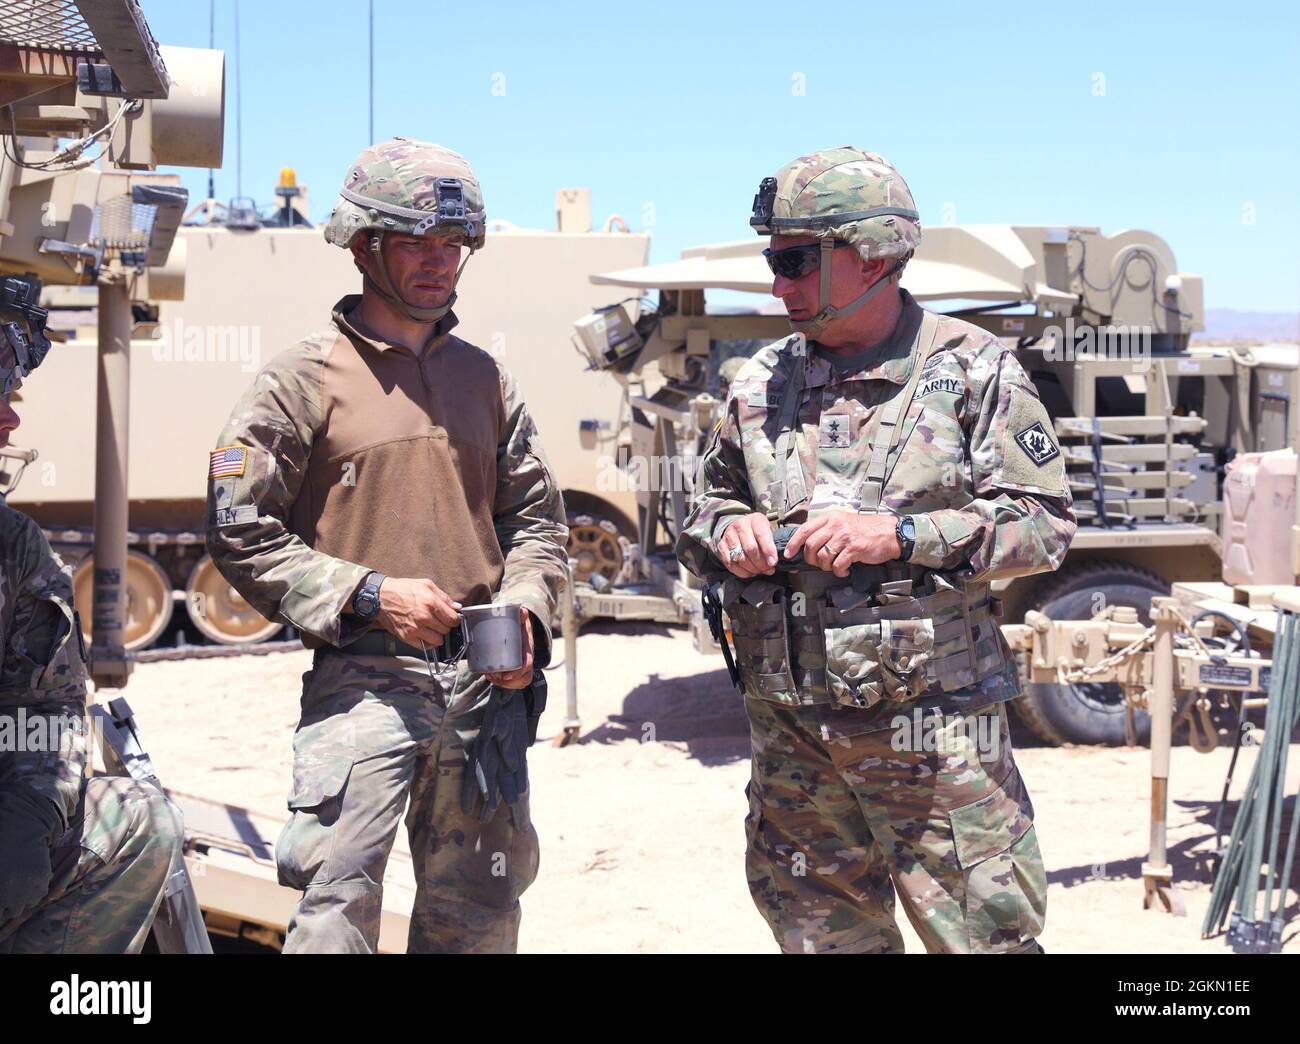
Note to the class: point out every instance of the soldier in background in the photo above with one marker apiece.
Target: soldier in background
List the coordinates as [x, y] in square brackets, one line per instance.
[376, 478]
[727, 373]
[914, 456]
[83, 863]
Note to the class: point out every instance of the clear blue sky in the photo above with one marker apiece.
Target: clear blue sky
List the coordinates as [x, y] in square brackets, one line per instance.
[1180, 118]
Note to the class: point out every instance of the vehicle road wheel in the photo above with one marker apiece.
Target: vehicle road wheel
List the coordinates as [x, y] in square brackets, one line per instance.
[1090, 713]
[220, 612]
[594, 543]
[148, 598]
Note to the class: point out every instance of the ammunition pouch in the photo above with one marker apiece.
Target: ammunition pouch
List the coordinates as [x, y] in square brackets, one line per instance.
[760, 633]
[812, 637]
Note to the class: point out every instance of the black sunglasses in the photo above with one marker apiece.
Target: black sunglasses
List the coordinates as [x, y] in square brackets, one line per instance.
[795, 261]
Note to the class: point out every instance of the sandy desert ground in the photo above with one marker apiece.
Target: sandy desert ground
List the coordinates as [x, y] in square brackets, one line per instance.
[641, 822]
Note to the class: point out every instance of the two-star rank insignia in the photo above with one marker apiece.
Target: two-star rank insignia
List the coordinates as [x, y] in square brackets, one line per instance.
[836, 431]
[1037, 444]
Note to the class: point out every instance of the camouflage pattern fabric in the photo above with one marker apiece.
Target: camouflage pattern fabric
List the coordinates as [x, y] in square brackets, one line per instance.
[818, 194]
[839, 818]
[42, 669]
[272, 428]
[262, 545]
[113, 841]
[110, 873]
[449, 482]
[835, 827]
[373, 731]
[42, 654]
[977, 468]
[393, 187]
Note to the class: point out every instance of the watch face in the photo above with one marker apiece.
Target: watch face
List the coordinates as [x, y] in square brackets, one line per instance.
[367, 602]
[906, 536]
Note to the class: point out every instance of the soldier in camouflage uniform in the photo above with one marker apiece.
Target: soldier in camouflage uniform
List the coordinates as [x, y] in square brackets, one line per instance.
[727, 373]
[83, 862]
[914, 456]
[376, 478]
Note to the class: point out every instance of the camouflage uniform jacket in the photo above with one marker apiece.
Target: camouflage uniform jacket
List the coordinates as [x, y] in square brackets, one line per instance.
[348, 454]
[42, 671]
[976, 466]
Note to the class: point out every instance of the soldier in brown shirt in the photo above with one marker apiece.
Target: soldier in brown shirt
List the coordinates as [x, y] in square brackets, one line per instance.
[378, 477]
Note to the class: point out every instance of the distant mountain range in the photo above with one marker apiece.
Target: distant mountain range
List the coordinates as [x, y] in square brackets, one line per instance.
[1229, 324]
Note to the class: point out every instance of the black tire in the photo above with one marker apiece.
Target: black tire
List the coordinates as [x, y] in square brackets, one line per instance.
[1090, 713]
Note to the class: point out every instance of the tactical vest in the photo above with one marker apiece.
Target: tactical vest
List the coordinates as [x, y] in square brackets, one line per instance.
[895, 632]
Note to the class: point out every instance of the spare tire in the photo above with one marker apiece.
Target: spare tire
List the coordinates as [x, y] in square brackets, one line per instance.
[1089, 713]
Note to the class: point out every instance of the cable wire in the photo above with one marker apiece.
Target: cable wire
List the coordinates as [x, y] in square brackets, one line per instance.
[67, 158]
[1133, 253]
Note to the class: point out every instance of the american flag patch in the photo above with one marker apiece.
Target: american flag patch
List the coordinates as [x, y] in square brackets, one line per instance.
[229, 460]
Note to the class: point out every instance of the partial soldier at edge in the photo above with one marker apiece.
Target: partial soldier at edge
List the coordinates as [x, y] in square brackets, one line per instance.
[84, 862]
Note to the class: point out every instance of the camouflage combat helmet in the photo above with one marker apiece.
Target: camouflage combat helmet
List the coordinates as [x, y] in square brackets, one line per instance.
[728, 370]
[416, 189]
[23, 343]
[842, 195]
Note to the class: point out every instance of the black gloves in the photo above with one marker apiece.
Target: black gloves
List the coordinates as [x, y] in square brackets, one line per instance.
[497, 766]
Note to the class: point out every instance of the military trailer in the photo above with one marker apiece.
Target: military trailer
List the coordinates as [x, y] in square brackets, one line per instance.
[1147, 422]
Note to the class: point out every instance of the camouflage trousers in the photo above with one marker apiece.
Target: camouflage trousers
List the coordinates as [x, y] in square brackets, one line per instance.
[375, 735]
[110, 873]
[835, 826]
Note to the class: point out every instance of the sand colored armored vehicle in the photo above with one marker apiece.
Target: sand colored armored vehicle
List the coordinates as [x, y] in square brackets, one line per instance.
[1103, 324]
[86, 83]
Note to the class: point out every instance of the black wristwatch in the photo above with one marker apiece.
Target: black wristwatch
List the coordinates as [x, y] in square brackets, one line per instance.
[905, 530]
[365, 603]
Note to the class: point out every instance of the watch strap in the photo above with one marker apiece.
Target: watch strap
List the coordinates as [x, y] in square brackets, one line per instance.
[905, 530]
[370, 590]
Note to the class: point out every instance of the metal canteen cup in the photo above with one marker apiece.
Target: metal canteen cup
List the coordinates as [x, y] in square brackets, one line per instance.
[494, 637]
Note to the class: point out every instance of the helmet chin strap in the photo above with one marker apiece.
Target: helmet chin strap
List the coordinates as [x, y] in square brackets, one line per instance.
[814, 327]
[378, 278]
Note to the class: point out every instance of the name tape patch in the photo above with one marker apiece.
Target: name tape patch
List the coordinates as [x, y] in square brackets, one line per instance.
[234, 516]
[225, 512]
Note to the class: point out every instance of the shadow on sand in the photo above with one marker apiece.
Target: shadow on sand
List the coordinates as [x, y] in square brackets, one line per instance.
[703, 711]
[1192, 859]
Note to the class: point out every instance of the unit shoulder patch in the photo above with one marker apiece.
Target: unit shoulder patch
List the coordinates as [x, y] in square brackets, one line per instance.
[1039, 446]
